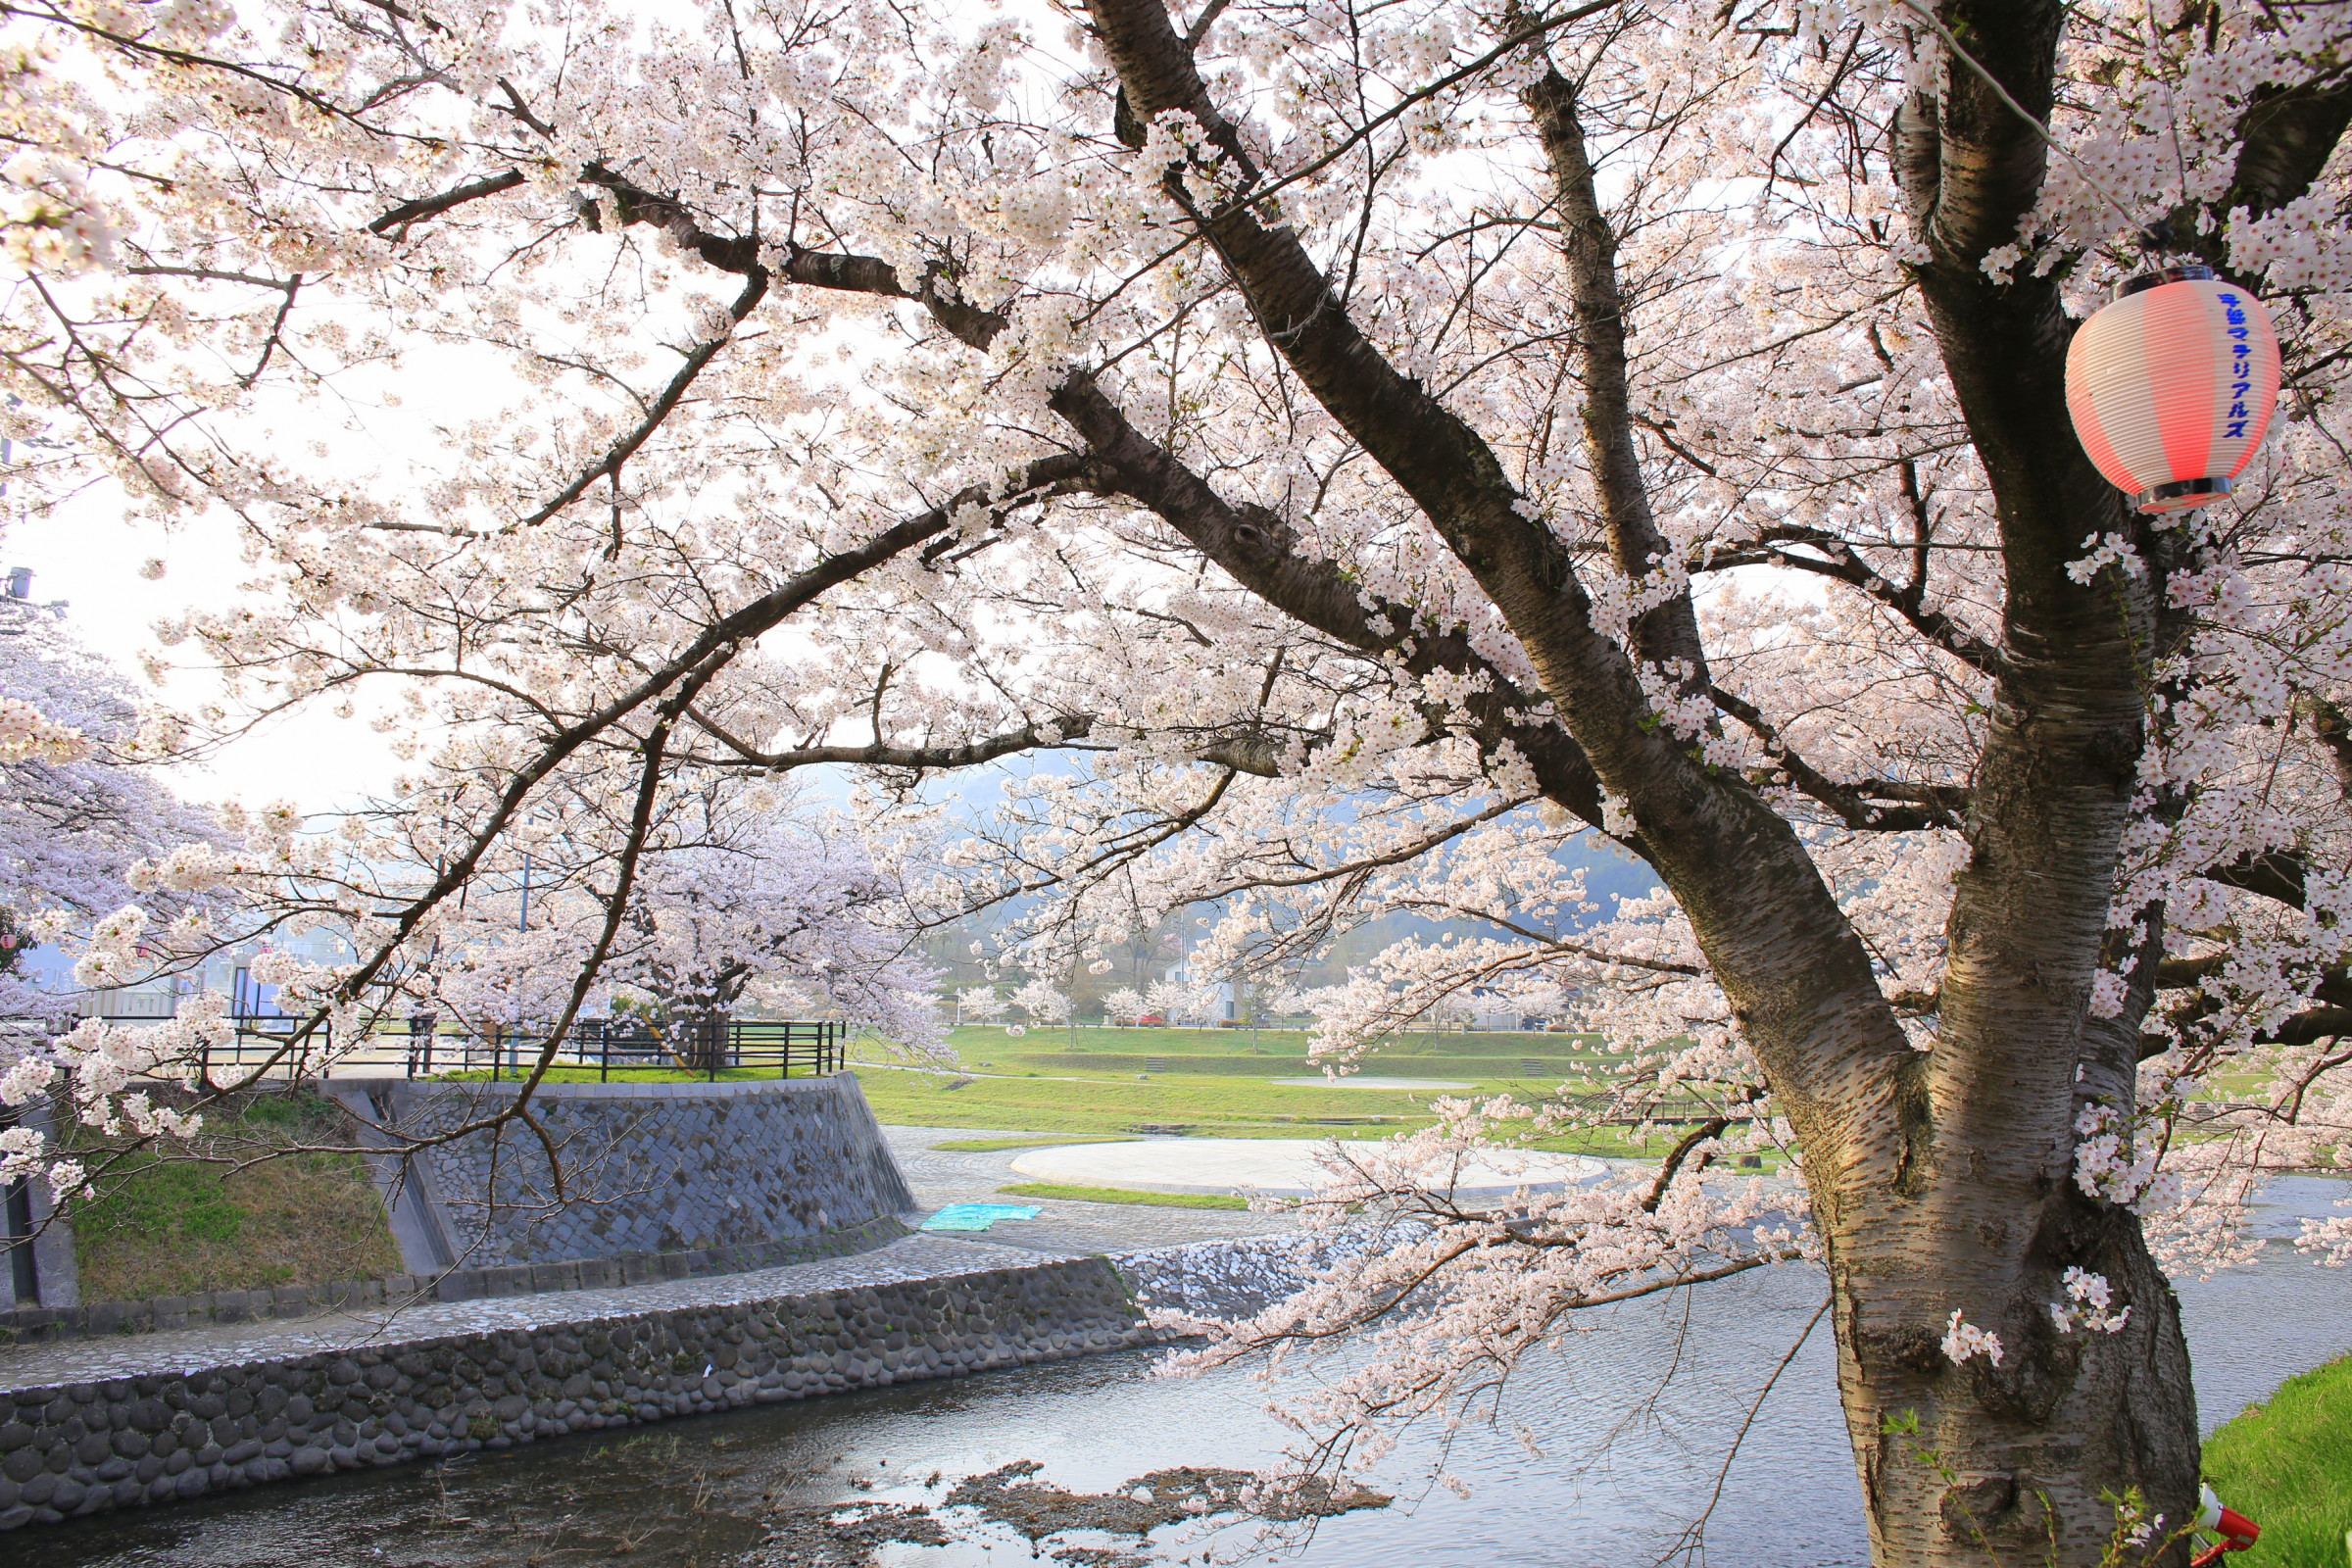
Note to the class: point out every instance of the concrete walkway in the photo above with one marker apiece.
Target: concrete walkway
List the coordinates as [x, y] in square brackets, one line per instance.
[1276, 1166]
[944, 1176]
[183, 1351]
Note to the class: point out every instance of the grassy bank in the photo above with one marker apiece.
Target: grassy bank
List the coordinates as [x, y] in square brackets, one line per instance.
[1266, 1053]
[2287, 1466]
[1123, 1195]
[1200, 1107]
[176, 1227]
[1217, 1083]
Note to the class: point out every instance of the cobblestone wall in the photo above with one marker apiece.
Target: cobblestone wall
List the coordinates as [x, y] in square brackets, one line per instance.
[654, 1169]
[80, 1448]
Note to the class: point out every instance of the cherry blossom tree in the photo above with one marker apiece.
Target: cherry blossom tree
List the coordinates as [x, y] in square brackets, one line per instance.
[80, 806]
[980, 1004]
[1382, 450]
[772, 911]
[1042, 1003]
[1181, 1002]
[743, 899]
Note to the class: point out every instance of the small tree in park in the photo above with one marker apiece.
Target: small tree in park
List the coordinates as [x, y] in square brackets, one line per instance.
[738, 901]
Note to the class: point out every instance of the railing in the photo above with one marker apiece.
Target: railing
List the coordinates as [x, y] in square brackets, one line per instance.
[731, 1045]
[805, 1046]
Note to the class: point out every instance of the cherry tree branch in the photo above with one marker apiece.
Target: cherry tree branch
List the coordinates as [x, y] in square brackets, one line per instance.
[1845, 566]
[423, 206]
[1668, 634]
[1855, 804]
[755, 289]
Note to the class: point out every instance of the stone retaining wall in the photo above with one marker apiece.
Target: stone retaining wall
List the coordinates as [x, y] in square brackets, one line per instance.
[86, 1447]
[650, 1168]
[39, 1325]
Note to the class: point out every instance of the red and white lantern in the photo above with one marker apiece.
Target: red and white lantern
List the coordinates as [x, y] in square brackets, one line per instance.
[2171, 386]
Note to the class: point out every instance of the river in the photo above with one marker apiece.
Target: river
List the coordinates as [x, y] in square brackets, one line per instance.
[1632, 1420]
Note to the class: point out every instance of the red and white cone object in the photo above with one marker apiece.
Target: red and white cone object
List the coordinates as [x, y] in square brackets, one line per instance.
[2171, 386]
[2235, 1530]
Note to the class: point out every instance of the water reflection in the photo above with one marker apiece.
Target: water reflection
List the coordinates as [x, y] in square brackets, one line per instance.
[1636, 1416]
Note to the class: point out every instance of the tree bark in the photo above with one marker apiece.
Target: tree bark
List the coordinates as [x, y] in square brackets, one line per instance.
[1669, 632]
[2027, 1454]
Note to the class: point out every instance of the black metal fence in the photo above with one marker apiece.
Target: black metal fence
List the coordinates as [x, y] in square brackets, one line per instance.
[709, 1048]
[809, 1048]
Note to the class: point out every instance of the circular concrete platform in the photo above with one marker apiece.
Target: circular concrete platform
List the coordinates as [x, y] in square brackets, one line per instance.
[1281, 1167]
[1320, 1082]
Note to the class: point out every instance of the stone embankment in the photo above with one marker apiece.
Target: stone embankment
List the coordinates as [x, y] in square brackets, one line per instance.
[29, 1325]
[660, 1182]
[151, 1421]
[647, 1170]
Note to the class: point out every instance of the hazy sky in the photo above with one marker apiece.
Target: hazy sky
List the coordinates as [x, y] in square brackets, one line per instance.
[90, 557]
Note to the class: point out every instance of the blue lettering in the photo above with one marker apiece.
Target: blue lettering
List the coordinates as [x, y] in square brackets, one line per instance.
[2237, 411]
[2241, 333]
[2237, 317]
[2226, 297]
[2235, 432]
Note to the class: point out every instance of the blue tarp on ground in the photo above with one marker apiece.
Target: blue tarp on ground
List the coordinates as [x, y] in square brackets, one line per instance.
[977, 1216]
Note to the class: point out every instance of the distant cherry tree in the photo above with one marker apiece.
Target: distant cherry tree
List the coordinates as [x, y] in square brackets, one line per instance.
[80, 806]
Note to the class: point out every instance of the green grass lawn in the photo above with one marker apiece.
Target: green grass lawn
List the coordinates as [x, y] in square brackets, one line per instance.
[1202, 1105]
[618, 1075]
[990, 1145]
[2287, 1466]
[1266, 1054]
[174, 1227]
[1122, 1194]
[1111, 1083]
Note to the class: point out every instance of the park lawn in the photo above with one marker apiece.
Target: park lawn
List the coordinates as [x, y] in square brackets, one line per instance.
[2287, 1466]
[1211, 1106]
[1266, 1053]
[990, 1145]
[1123, 1195]
[1204, 1106]
[177, 1227]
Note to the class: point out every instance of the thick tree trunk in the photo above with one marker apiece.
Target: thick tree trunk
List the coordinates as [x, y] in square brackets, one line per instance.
[2026, 1457]
[2020, 1461]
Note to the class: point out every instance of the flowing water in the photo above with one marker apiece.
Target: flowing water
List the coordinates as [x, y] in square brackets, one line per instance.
[1633, 1423]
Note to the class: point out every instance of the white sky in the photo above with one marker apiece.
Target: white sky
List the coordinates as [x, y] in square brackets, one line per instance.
[87, 554]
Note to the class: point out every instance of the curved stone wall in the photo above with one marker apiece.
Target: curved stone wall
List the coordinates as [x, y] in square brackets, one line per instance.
[650, 1168]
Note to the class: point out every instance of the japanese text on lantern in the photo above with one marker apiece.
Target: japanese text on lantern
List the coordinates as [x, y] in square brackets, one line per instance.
[2242, 366]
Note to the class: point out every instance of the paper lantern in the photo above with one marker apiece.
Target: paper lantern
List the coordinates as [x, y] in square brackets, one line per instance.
[2171, 386]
